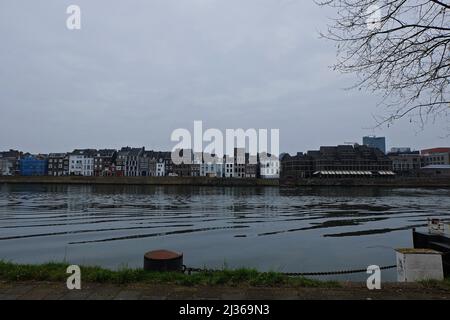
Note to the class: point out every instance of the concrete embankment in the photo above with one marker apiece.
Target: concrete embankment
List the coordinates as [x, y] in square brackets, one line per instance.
[195, 181]
[398, 182]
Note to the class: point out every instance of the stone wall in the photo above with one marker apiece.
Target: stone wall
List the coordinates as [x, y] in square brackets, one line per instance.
[404, 182]
[199, 181]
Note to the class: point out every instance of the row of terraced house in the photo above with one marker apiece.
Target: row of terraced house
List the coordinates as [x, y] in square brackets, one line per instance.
[134, 162]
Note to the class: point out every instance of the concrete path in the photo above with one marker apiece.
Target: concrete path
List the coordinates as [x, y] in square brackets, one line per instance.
[58, 291]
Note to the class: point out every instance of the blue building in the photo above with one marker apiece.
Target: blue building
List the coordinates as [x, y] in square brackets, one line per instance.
[33, 166]
[375, 142]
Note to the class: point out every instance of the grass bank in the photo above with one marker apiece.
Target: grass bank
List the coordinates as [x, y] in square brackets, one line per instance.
[57, 272]
[435, 284]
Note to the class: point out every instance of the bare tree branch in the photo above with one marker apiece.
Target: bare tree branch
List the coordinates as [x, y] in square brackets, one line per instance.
[398, 47]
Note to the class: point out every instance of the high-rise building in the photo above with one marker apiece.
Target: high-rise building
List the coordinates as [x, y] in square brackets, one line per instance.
[375, 142]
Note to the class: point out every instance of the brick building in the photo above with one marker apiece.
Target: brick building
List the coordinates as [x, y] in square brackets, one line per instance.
[104, 160]
[58, 164]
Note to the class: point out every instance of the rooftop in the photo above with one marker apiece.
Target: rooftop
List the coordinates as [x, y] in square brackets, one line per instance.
[84, 152]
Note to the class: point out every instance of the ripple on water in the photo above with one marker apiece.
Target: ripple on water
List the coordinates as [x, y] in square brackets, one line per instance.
[259, 227]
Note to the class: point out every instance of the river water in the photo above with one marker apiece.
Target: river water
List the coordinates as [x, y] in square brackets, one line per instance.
[287, 230]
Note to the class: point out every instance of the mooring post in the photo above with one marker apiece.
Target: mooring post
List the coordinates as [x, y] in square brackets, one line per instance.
[163, 260]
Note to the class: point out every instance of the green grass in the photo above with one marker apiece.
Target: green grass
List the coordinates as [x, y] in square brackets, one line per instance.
[57, 272]
[444, 284]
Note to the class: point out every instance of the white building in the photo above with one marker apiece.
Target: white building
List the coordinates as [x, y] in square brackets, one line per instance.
[228, 169]
[160, 168]
[269, 167]
[81, 162]
[6, 167]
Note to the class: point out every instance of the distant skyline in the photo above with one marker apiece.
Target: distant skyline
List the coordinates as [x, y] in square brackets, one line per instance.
[139, 69]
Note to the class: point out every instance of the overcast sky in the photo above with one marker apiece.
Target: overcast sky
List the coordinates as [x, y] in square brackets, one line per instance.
[138, 69]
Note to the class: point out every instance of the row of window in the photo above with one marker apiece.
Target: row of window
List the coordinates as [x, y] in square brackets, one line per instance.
[275, 164]
[55, 160]
[80, 161]
[87, 167]
[434, 159]
[270, 171]
[60, 166]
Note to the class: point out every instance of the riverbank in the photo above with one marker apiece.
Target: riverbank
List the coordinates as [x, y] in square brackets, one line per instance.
[397, 182]
[393, 182]
[56, 272]
[48, 281]
[193, 181]
[33, 290]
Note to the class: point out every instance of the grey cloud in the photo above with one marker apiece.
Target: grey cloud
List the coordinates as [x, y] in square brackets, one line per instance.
[139, 69]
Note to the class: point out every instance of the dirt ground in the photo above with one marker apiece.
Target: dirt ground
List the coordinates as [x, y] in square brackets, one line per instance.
[90, 291]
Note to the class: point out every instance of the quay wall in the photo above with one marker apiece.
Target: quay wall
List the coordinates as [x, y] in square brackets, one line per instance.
[196, 181]
[403, 182]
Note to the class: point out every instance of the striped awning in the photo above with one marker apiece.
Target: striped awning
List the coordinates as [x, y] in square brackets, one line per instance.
[386, 173]
[340, 173]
